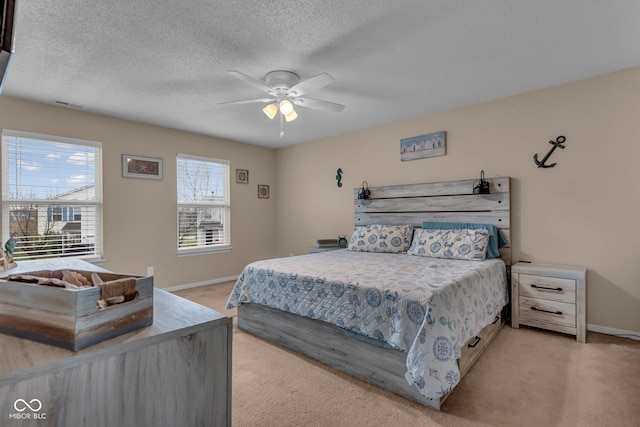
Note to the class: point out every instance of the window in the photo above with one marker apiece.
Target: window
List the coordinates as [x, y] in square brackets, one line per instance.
[203, 204]
[51, 196]
[66, 213]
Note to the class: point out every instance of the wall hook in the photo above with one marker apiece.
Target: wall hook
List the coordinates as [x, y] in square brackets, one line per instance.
[339, 177]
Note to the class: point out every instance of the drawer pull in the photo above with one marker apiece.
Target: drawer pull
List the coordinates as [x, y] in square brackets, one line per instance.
[559, 313]
[494, 322]
[475, 343]
[546, 289]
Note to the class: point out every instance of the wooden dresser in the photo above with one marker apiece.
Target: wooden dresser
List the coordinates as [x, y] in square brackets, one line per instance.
[550, 297]
[176, 372]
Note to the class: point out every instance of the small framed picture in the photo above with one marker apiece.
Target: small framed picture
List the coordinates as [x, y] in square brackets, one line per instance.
[263, 191]
[242, 176]
[141, 167]
[423, 146]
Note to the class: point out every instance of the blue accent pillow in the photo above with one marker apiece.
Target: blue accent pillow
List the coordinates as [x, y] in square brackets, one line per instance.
[496, 240]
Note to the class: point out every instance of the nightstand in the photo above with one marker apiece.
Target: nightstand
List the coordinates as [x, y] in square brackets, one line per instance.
[317, 249]
[550, 297]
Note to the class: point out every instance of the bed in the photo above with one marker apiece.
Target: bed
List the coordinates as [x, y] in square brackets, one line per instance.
[410, 324]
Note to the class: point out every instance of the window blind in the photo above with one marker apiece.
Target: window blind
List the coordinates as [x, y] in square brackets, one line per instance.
[51, 196]
[203, 204]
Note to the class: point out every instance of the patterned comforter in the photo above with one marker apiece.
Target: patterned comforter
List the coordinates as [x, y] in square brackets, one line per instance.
[423, 306]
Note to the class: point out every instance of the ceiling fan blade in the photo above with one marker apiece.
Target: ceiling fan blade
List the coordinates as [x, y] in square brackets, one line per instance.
[310, 84]
[247, 101]
[318, 104]
[253, 82]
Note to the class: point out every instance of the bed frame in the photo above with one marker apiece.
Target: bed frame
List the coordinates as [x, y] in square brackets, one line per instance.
[451, 201]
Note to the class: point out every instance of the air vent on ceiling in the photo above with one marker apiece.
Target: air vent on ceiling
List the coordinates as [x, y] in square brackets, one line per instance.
[66, 104]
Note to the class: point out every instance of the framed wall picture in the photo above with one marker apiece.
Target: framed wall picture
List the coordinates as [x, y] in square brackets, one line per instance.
[141, 167]
[263, 191]
[423, 146]
[242, 176]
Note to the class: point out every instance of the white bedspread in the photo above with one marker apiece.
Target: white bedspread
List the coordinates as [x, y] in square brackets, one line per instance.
[424, 306]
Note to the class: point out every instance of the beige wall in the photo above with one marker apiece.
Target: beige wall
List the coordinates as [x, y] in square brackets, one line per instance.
[555, 211]
[140, 215]
[582, 212]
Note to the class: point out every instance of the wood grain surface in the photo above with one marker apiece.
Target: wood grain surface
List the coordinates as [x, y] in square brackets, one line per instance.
[449, 201]
[174, 372]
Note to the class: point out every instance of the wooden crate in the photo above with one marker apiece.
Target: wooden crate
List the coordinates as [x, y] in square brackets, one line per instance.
[71, 318]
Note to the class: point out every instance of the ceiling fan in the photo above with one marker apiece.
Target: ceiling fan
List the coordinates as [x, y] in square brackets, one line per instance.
[285, 89]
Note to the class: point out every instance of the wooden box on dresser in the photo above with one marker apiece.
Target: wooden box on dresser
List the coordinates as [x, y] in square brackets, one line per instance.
[549, 296]
[71, 318]
[176, 372]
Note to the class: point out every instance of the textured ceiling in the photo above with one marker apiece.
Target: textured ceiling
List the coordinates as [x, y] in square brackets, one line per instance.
[164, 62]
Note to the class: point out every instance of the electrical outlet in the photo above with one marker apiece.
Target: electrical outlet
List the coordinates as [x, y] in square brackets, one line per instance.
[149, 271]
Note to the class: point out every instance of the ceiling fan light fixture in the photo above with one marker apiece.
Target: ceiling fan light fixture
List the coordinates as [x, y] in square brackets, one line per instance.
[291, 116]
[285, 89]
[286, 107]
[270, 110]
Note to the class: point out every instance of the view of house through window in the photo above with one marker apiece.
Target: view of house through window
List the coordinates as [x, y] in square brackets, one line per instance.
[51, 196]
[203, 204]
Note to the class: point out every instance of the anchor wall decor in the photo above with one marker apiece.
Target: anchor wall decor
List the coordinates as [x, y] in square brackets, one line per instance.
[556, 144]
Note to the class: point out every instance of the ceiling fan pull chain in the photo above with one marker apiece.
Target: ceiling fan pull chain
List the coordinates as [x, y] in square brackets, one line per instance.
[281, 125]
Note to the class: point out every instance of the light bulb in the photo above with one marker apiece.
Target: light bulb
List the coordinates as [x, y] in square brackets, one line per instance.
[286, 107]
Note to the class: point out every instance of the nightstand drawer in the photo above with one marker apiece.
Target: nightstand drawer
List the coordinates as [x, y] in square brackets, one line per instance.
[550, 288]
[541, 310]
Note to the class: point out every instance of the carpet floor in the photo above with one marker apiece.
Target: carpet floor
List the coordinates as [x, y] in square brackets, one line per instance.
[526, 377]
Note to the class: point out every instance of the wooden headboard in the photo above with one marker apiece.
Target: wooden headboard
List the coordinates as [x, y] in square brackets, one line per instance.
[451, 201]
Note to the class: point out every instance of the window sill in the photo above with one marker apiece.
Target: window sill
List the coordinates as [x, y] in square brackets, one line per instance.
[95, 261]
[204, 250]
[67, 263]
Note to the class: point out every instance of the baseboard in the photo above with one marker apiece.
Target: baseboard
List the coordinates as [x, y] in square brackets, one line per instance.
[612, 331]
[197, 284]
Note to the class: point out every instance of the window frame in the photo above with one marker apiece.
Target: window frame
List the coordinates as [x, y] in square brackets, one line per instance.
[46, 204]
[225, 205]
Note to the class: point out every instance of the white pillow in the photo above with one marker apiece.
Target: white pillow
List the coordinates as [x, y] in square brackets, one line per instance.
[451, 244]
[381, 238]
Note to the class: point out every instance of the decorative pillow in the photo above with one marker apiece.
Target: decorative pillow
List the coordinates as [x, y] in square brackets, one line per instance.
[451, 244]
[496, 240]
[381, 238]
